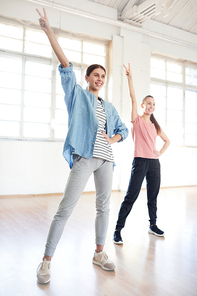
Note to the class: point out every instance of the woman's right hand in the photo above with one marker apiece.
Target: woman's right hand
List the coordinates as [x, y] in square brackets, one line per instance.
[44, 22]
[128, 71]
[132, 93]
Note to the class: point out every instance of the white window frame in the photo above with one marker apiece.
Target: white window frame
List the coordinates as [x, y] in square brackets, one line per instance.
[54, 63]
[182, 85]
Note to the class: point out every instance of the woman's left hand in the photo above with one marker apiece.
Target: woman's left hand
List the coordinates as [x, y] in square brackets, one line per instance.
[107, 138]
[158, 153]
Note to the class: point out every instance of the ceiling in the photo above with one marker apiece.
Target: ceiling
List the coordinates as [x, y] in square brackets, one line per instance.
[180, 14]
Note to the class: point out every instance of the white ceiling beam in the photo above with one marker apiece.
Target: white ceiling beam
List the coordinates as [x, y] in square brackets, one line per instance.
[126, 25]
[130, 12]
[128, 9]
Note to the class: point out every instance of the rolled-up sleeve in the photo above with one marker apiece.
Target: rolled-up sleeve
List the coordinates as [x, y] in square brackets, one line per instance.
[68, 80]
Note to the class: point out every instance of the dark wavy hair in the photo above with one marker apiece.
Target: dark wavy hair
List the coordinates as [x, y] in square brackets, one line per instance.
[152, 118]
[92, 67]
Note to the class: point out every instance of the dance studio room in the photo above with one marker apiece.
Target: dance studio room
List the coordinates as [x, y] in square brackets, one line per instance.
[98, 147]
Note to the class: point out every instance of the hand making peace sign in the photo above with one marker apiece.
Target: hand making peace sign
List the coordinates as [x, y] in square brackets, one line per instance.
[44, 22]
[128, 71]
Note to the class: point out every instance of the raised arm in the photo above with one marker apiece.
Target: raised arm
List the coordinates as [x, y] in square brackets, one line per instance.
[131, 92]
[44, 23]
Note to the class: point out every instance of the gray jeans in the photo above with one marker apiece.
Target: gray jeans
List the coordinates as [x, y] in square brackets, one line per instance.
[78, 177]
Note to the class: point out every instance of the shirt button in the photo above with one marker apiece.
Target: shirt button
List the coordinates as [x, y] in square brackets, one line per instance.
[93, 143]
[95, 131]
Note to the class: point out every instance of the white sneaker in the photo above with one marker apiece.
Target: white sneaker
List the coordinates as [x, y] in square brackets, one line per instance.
[102, 260]
[43, 272]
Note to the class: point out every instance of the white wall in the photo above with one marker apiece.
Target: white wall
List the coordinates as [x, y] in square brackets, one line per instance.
[33, 167]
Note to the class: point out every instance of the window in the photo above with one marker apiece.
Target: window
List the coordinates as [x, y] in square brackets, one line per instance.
[174, 85]
[31, 96]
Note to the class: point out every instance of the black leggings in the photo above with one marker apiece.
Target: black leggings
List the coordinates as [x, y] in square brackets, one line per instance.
[141, 167]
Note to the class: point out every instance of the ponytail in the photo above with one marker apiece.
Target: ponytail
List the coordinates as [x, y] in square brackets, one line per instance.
[152, 118]
[156, 124]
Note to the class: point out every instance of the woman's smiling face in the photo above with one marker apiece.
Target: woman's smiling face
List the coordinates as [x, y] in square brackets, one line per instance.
[96, 79]
[148, 105]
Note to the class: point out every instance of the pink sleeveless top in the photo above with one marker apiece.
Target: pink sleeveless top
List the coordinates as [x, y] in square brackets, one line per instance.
[144, 137]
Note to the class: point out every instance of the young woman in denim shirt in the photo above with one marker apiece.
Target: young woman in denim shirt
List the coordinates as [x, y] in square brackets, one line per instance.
[145, 164]
[93, 125]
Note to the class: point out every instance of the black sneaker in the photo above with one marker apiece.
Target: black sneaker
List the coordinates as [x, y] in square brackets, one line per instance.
[155, 230]
[117, 238]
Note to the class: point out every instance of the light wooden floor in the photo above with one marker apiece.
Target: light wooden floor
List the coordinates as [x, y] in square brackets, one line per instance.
[146, 265]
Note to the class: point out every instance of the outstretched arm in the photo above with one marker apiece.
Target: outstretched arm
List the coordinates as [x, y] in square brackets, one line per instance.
[44, 23]
[131, 92]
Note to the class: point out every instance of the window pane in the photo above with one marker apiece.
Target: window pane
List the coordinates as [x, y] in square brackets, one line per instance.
[8, 43]
[191, 71]
[158, 91]
[9, 129]
[175, 132]
[191, 101]
[69, 43]
[36, 115]
[11, 31]
[37, 43]
[190, 106]
[174, 115]
[157, 73]
[174, 98]
[93, 48]
[191, 140]
[38, 69]
[61, 131]
[37, 84]
[191, 80]
[191, 75]
[37, 36]
[73, 56]
[61, 117]
[11, 37]
[191, 117]
[38, 49]
[173, 67]
[59, 88]
[160, 115]
[10, 96]
[60, 104]
[191, 128]
[9, 112]
[93, 59]
[78, 75]
[156, 63]
[36, 99]
[174, 77]
[9, 80]
[35, 130]
[11, 64]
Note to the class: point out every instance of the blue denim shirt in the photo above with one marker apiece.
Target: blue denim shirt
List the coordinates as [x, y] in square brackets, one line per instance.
[82, 121]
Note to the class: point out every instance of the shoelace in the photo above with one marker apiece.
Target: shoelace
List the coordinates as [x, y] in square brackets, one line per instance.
[43, 265]
[105, 256]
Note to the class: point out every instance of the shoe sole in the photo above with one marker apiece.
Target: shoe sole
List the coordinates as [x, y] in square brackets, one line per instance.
[152, 232]
[118, 243]
[40, 282]
[44, 282]
[99, 264]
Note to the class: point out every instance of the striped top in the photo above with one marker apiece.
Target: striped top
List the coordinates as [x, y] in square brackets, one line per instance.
[102, 149]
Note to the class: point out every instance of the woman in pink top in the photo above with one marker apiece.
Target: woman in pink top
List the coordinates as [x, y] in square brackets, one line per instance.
[145, 164]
